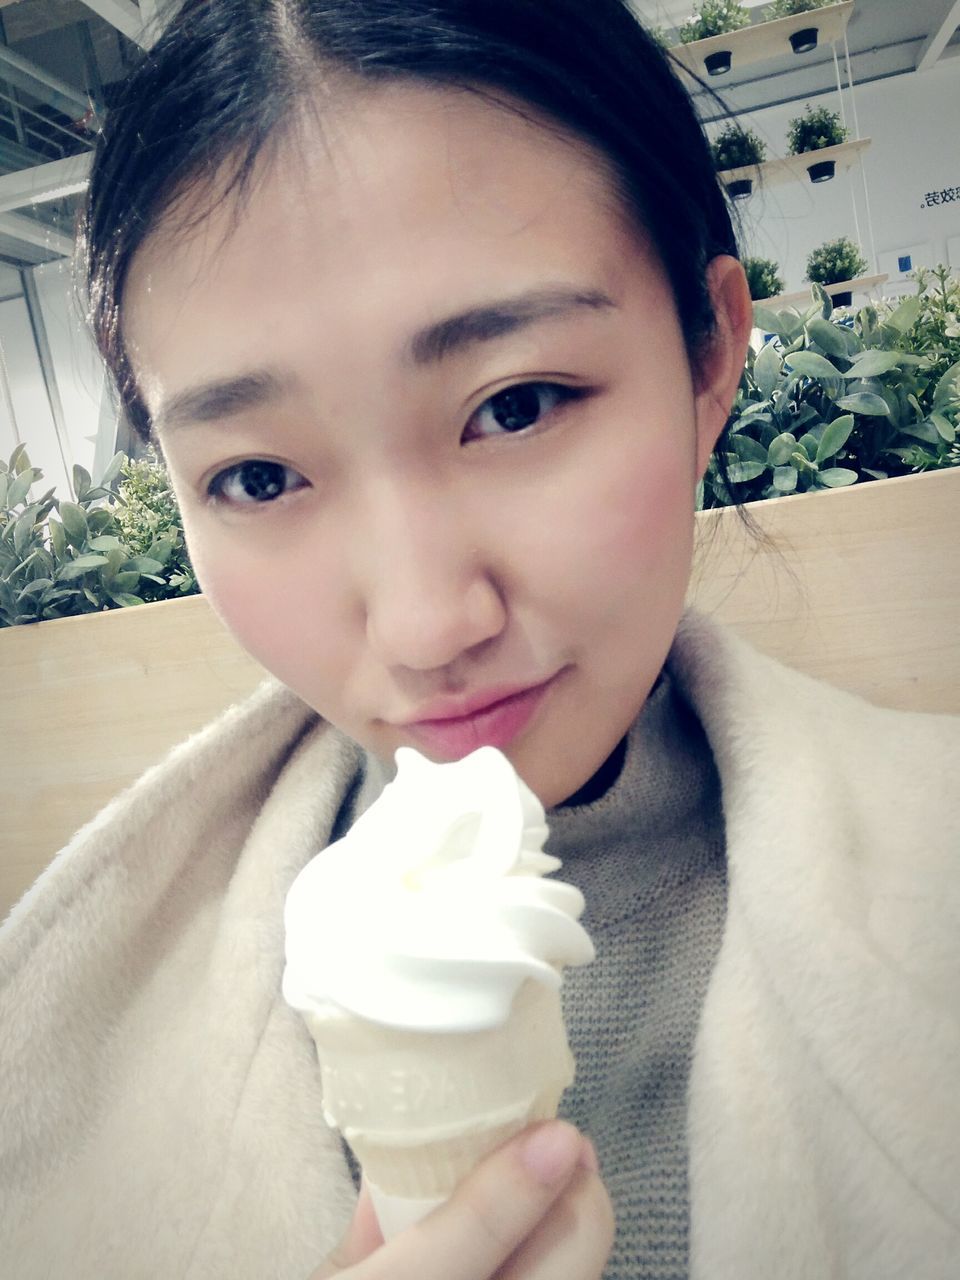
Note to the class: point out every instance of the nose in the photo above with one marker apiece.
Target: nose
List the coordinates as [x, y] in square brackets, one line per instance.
[429, 593]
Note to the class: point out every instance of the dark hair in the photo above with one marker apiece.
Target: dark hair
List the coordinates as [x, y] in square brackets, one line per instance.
[226, 75]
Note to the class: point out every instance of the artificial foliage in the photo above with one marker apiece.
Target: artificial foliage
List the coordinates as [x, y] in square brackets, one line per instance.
[789, 8]
[828, 402]
[763, 277]
[835, 261]
[714, 18]
[147, 513]
[734, 147]
[935, 331]
[119, 544]
[817, 128]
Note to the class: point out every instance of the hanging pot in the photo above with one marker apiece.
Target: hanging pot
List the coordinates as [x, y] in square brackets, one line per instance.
[740, 188]
[842, 299]
[823, 171]
[805, 40]
[718, 64]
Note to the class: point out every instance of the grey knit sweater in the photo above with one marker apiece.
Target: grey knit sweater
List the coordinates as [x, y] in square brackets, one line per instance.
[648, 856]
[649, 859]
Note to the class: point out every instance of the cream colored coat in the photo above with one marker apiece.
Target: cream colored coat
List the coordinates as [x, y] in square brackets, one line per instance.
[161, 1114]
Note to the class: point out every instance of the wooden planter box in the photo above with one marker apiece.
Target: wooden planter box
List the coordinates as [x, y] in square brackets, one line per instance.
[863, 590]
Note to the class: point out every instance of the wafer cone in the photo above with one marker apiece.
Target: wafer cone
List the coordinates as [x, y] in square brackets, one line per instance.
[420, 1109]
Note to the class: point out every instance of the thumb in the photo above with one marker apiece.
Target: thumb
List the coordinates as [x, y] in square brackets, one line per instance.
[363, 1236]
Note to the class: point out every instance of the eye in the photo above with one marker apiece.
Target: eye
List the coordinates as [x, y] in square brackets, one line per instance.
[253, 483]
[520, 407]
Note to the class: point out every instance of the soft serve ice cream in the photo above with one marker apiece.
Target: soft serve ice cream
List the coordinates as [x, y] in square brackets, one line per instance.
[425, 950]
[433, 910]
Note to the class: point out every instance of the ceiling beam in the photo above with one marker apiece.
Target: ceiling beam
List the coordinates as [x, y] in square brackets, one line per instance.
[28, 231]
[149, 12]
[44, 182]
[939, 37]
[127, 17]
[41, 84]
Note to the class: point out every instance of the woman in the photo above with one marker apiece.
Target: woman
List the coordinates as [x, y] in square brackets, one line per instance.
[436, 313]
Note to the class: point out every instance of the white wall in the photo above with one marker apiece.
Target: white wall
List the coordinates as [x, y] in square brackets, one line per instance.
[27, 414]
[913, 121]
[77, 367]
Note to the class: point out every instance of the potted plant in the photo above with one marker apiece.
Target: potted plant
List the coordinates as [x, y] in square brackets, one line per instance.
[817, 128]
[834, 262]
[119, 544]
[832, 401]
[735, 148]
[715, 18]
[763, 278]
[802, 41]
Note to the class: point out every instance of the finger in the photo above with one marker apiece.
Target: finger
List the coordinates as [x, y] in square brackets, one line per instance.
[573, 1239]
[362, 1238]
[491, 1212]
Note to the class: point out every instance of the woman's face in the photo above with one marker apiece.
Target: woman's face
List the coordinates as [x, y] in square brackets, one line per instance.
[433, 431]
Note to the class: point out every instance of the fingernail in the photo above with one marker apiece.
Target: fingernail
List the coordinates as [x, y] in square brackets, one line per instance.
[551, 1152]
[588, 1157]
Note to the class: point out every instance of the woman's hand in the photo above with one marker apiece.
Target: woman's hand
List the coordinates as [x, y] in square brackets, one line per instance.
[533, 1210]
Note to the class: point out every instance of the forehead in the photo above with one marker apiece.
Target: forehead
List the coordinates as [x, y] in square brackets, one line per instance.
[380, 208]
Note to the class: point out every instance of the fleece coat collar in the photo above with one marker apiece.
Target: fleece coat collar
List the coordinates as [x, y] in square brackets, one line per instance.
[160, 1104]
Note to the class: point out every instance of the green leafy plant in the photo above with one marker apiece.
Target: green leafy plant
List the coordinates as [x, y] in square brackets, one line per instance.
[788, 8]
[714, 18]
[147, 514]
[763, 277]
[827, 403]
[834, 261]
[817, 128]
[735, 147]
[935, 331]
[59, 559]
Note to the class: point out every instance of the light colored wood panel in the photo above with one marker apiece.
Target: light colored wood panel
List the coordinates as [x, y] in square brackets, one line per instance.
[863, 592]
[766, 40]
[89, 703]
[862, 589]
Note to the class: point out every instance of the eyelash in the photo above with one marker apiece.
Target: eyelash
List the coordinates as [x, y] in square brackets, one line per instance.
[217, 497]
[564, 395]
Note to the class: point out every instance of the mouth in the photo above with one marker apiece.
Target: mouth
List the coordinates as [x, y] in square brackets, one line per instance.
[452, 728]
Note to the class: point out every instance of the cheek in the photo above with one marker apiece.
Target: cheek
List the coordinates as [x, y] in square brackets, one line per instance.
[279, 606]
[635, 528]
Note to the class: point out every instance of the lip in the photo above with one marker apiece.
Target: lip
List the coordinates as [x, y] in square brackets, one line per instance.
[453, 727]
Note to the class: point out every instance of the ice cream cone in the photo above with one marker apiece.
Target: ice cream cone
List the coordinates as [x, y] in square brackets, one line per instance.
[425, 950]
[420, 1109]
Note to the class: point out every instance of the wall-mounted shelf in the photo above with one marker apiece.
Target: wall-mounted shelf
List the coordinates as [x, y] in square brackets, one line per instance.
[863, 284]
[791, 168]
[765, 40]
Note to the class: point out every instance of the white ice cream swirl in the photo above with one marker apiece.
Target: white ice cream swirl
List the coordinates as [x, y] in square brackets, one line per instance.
[432, 911]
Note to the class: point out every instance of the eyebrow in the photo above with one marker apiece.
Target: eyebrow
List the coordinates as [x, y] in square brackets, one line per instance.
[493, 320]
[224, 398]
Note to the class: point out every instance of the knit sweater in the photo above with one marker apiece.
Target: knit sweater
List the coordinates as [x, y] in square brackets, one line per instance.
[649, 859]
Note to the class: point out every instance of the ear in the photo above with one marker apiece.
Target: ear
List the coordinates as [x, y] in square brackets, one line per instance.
[718, 370]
